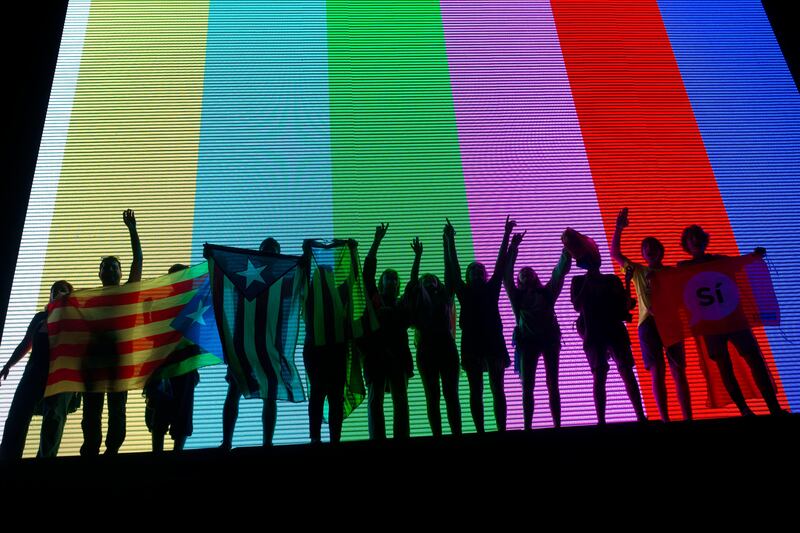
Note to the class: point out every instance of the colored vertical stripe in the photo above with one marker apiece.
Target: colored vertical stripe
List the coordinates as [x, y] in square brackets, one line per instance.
[523, 156]
[748, 111]
[264, 162]
[644, 147]
[394, 144]
[134, 127]
[26, 297]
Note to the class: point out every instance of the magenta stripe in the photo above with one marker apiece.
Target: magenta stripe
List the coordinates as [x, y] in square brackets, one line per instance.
[523, 154]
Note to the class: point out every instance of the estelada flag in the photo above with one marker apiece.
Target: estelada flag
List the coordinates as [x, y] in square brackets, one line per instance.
[336, 308]
[714, 297]
[115, 338]
[256, 297]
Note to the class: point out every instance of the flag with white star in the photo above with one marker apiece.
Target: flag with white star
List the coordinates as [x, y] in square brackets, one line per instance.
[255, 304]
[118, 338]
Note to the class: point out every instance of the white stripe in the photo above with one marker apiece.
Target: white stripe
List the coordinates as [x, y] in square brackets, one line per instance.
[23, 302]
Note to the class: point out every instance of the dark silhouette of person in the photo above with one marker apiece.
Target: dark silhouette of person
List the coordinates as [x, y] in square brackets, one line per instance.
[31, 388]
[537, 333]
[269, 410]
[649, 339]
[603, 305]
[170, 401]
[326, 364]
[111, 276]
[694, 241]
[388, 364]
[483, 346]
[437, 354]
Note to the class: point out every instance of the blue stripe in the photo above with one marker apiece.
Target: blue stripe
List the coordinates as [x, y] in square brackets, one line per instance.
[264, 161]
[748, 111]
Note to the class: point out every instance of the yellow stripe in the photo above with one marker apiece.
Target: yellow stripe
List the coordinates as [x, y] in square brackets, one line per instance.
[122, 335]
[273, 313]
[114, 311]
[134, 134]
[84, 295]
[133, 358]
[118, 385]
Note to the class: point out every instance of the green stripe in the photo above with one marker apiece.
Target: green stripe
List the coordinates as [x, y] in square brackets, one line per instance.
[250, 345]
[273, 314]
[394, 146]
[187, 365]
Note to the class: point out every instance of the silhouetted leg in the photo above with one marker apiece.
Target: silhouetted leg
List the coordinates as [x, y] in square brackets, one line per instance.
[399, 388]
[475, 379]
[450, 391]
[676, 355]
[551, 356]
[115, 435]
[157, 439]
[269, 417]
[91, 421]
[375, 418]
[19, 418]
[747, 346]
[336, 370]
[598, 362]
[497, 384]
[653, 356]
[717, 346]
[528, 366]
[658, 373]
[54, 416]
[430, 384]
[316, 396]
[230, 412]
[179, 443]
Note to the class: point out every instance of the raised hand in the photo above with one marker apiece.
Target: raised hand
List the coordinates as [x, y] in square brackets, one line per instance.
[449, 230]
[380, 231]
[622, 218]
[510, 225]
[517, 238]
[760, 251]
[416, 246]
[129, 219]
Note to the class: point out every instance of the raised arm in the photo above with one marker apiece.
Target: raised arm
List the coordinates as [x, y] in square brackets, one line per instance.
[560, 272]
[136, 246]
[502, 253]
[24, 346]
[508, 274]
[508, 270]
[452, 270]
[616, 247]
[371, 261]
[417, 247]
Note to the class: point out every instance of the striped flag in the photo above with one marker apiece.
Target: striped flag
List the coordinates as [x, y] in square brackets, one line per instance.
[117, 338]
[256, 300]
[337, 309]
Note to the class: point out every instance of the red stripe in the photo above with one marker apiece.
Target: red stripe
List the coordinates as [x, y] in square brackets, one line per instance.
[116, 323]
[155, 293]
[644, 147]
[103, 374]
[122, 348]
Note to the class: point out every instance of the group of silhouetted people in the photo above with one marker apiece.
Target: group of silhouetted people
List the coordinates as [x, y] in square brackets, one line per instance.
[426, 304]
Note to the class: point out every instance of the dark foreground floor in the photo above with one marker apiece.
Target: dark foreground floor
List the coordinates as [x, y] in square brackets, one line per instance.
[762, 449]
